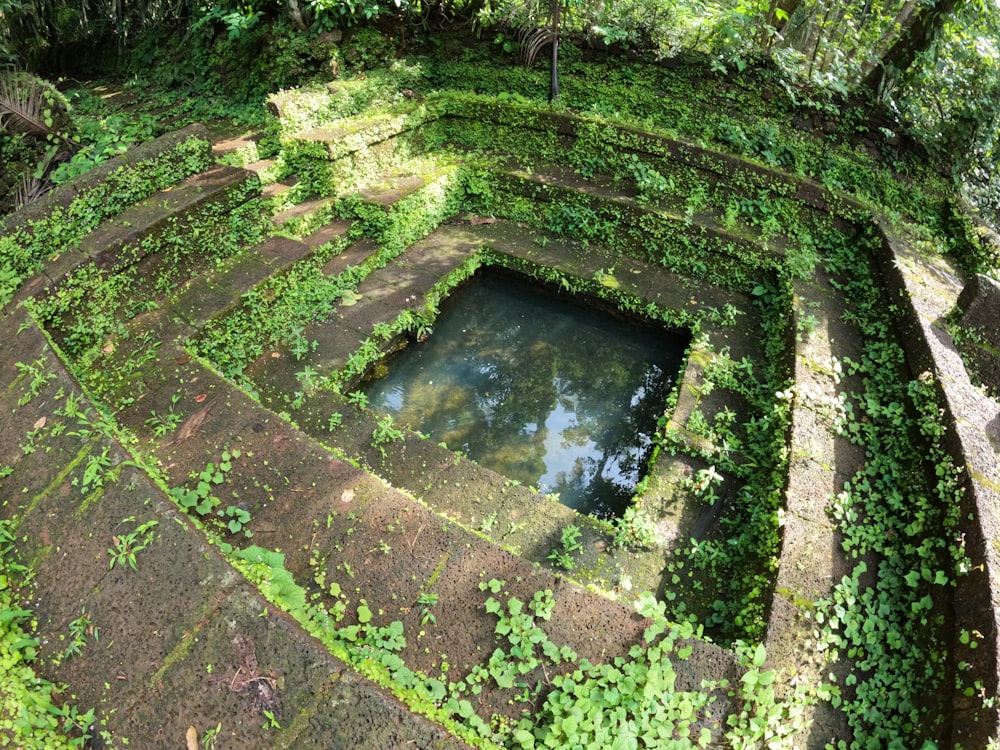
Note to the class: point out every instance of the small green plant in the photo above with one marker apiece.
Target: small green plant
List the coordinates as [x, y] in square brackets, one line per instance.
[651, 183]
[697, 200]
[705, 482]
[211, 735]
[805, 326]
[385, 432]
[199, 498]
[79, 629]
[127, 546]
[634, 529]
[238, 520]
[731, 216]
[162, 424]
[358, 398]
[74, 722]
[298, 344]
[309, 379]
[336, 420]
[97, 471]
[425, 601]
[569, 543]
[39, 375]
[487, 524]
[271, 720]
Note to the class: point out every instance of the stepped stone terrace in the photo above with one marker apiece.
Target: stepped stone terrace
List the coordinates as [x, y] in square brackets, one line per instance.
[307, 575]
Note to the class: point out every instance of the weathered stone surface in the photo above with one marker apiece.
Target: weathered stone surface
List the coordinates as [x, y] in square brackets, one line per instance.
[979, 306]
[929, 289]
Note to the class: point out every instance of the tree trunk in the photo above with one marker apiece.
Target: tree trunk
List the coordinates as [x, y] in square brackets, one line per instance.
[297, 21]
[554, 90]
[923, 28]
[902, 22]
[802, 30]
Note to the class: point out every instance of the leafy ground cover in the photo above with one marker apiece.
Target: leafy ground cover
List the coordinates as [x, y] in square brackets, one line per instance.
[33, 711]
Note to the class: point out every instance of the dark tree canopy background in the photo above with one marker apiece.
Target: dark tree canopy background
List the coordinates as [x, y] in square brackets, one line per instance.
[935, 64]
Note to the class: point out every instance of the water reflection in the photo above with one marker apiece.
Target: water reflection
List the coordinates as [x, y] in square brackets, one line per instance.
[537, 388]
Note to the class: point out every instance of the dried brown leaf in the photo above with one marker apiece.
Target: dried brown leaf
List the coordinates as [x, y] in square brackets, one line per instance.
[192, 424]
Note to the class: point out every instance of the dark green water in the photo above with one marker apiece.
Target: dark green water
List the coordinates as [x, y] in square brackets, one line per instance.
[538, 388]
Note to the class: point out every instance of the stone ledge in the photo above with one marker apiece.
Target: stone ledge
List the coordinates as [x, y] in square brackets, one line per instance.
[63, 195]
[979, 312]
[926, 291]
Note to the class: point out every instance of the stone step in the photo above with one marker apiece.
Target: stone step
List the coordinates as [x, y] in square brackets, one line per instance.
[120, 242]
[301, 210]
[309, 106]
[821, 462]
[394, 185]
[276, 189]
[339, 154]
[269, 171]
[929, 289]
[340, 138]
[178, 638]
[327, 233]
[338, 341]
[136, 159]
[226, 142]
[553, 183]
[50, 228]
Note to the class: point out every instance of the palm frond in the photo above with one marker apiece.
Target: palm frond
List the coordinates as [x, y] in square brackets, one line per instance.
[22, 107]
[34, 184]
[531, 41]
[30, 189]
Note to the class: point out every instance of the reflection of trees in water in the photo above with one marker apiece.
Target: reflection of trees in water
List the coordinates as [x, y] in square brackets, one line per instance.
[504, 385]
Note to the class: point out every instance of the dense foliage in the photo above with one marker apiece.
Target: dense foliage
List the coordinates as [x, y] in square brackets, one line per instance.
[936, 64]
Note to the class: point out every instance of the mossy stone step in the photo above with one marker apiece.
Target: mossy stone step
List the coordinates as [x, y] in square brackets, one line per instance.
[212, 295]
[340, 138]
[929, 288]
[298, 210]
[163, 150]
[161, 655]
[558, 185]
[821, 462]
[395, 185]
[123, 241]
[382, 296]
[229, 140]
